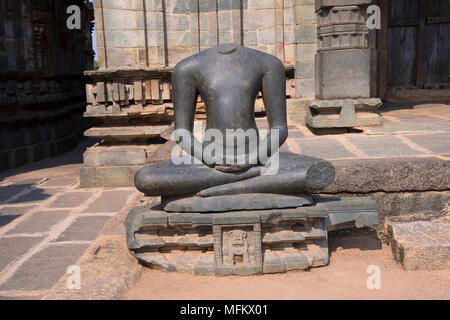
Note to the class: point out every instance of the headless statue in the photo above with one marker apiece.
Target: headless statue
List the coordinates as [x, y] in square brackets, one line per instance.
[228, 78]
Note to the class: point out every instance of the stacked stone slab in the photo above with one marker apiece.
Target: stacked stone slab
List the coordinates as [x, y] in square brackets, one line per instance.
[41, 79]
[140, 41]
[134, 108]
[420, 245]
[243, 242]
[345, 67]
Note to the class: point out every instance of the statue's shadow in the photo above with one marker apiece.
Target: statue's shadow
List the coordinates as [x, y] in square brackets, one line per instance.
[353, 238]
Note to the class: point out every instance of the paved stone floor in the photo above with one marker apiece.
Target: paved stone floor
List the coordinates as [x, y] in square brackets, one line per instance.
[47, 222]
[419, 131]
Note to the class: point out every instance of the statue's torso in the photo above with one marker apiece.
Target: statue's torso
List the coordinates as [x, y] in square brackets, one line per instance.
[229, 85]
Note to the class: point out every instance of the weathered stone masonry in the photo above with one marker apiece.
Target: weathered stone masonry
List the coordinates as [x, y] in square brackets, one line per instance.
[41, 79]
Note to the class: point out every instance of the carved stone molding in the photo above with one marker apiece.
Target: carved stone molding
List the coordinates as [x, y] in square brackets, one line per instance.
[342, 27]
[33, 90]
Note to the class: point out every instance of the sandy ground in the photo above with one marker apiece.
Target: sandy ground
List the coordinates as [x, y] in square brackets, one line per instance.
[345, 278]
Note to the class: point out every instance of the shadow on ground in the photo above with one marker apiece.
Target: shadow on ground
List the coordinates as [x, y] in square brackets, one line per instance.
[4, 220]
[353, 238]
[390, 106]
[74, 156]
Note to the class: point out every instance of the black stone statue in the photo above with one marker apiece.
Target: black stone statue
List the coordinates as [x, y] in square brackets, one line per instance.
[228, 78]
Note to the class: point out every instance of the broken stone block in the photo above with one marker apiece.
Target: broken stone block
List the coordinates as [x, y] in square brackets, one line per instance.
[420, 245]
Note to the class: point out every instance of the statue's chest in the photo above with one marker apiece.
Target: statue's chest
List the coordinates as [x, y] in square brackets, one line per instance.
[231, 83]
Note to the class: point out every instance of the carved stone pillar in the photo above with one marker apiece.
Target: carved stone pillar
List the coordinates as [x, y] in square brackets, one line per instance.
[345, 67]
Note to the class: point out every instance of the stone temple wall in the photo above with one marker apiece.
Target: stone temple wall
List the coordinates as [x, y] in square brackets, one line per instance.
[41, 79]
[160, 33]
[166, 31]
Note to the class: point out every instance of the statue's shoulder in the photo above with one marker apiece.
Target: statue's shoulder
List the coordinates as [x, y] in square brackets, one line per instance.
[266, 61]
[189, 64]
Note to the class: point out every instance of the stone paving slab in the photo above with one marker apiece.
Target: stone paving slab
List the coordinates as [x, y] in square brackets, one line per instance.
[36, 195]
[84, 228]
[7, 192]
[25, 182]
[59, 182]
[420, 109]
[324, 148]
[44, 268]
[40, 222]
[9, 214]
[295, 134]
[436, 142]
[108, 271]
[412, 118]
[110, 201]
[382, 146]
[397, 128]
[71, 199]
[11, 249]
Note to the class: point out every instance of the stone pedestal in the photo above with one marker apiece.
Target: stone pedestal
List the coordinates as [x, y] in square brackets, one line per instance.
[243, 242]
[343, 113]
